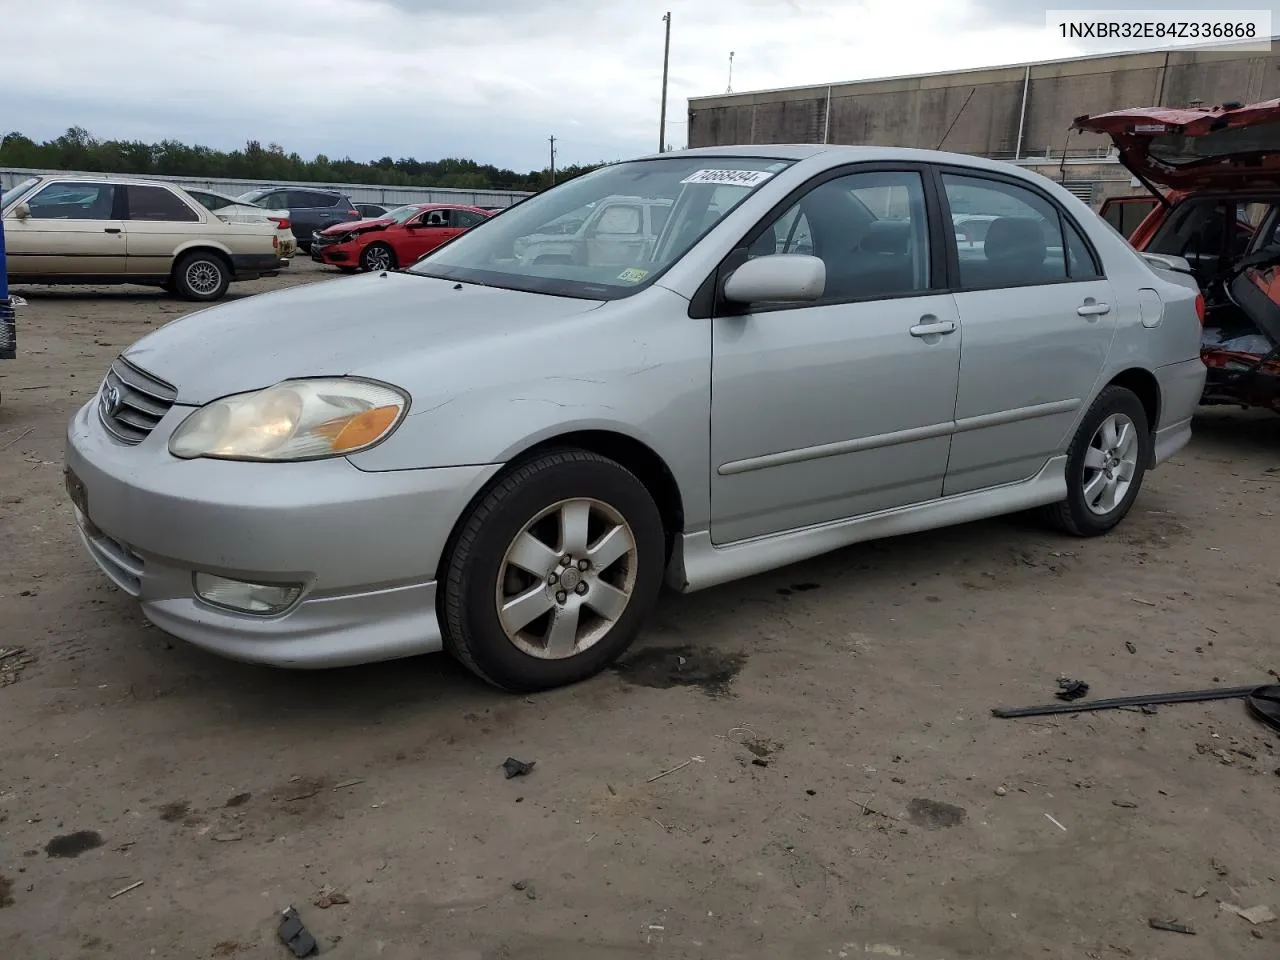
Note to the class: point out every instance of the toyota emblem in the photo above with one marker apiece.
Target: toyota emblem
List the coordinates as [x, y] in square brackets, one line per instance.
[111, 400]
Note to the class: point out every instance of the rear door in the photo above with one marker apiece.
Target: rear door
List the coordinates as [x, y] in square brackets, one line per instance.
[157, 221]
[1037, 317]
[74, 230]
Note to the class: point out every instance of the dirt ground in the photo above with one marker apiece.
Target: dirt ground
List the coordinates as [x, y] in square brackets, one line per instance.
[839, 789]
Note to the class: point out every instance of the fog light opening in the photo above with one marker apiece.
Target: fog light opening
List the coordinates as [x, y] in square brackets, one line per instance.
[258, 599]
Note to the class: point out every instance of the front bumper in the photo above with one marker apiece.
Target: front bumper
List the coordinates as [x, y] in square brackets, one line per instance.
[334, 254]
[365, 546]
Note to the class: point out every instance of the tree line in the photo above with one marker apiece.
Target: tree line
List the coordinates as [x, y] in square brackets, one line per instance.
[77, 149]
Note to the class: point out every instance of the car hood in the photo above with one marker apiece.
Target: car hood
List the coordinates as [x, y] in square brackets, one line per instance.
[352, 325]
[1230, 147]
[350, 225]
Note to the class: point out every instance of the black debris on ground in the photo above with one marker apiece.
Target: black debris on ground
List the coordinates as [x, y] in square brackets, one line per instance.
[516, 768]
[1069, 689]
[294, 935]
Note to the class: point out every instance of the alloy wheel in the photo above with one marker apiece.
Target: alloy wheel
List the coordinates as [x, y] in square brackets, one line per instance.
[1110, 463]
[566, 578]
[203, 277]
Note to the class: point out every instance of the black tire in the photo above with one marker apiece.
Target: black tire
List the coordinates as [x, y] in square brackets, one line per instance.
[375, 250]
[201, 276]
[469, 610]
[1074, 515]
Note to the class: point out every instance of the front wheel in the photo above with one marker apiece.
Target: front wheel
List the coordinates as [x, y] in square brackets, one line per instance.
[201, 276]
[378, 257]
[1106, 463]
[552, 574]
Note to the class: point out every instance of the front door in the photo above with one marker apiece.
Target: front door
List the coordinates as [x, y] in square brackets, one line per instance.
[843, 407]
[73, 231]
[1038, 319]
[424, 233]
[157, 221]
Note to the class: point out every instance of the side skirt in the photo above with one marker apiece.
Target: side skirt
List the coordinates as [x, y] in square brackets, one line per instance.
[697, 563]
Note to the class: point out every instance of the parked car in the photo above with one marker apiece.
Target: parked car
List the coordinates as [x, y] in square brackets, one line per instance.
[310, 209]
[506, 458]
[371, 211]
[238, 211]
[615, 231]
[396, 240]
[1215, 204]
[67, 229]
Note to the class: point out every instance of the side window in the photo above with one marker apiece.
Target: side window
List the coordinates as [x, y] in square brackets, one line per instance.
[1081, 263]
[435, 218]
[467, 218]
[869, 229]
[275, 201]
[159, 205]
[211, 201]
[1022, 241]
[69, 200]
[303, 200]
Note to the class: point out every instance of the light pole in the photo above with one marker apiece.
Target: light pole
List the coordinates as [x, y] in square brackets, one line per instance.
[553, 160]
[666, 59]
[729, 88]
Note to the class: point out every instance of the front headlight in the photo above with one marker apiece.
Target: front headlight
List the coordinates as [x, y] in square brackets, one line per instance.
[293, 420]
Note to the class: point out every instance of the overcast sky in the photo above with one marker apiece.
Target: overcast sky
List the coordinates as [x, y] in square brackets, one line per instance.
[486, 79]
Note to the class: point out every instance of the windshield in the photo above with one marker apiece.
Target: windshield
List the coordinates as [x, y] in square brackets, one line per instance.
[1178, 150]
[401, 214]
[13, 193]
[605, 234]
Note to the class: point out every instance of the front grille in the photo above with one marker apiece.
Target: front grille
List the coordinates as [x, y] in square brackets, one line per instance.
[131, 401]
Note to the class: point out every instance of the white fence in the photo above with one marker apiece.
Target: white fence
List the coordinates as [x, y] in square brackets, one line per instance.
[360, 192]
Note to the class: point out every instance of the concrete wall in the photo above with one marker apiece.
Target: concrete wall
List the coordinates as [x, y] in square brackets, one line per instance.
[916, 111]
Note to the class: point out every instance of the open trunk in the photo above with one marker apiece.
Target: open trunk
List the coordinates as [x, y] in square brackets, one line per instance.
[1241, 342]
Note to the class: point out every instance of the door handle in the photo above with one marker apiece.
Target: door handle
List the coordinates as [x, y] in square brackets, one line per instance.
[1092, 309]
[110, 229]
[929, 327]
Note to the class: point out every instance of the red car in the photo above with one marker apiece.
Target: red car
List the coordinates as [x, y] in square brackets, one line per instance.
[1214, 176]
[400, 238]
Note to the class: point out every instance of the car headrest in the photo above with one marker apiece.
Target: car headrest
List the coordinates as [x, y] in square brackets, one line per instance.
[1015, 241]
[887, 236]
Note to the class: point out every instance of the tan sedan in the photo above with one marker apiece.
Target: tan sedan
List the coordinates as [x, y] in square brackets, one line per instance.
[63, 229]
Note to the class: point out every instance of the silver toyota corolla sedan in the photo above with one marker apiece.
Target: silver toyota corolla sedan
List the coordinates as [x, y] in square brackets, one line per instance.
[745, 357]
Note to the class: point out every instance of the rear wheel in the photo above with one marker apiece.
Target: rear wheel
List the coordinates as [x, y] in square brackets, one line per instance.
[553, 572]
[377, 257]
[1106, 463]
[201, 276]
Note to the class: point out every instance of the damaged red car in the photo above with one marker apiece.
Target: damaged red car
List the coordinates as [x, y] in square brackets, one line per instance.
[1214, 176]
[399, 239]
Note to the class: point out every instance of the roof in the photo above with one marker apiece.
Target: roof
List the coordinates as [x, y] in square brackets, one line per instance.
[834, 154]
[1114, 54]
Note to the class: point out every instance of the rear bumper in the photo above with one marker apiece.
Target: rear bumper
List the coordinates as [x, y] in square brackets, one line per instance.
[1181, 385]
[250, 266]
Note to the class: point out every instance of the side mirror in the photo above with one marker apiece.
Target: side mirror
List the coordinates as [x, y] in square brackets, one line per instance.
[22, 211]
[777, 278]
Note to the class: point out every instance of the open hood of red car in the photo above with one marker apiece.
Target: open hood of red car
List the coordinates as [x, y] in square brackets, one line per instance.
[1231, 147]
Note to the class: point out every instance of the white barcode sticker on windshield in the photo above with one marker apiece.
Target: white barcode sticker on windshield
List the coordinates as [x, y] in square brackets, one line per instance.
[733, 178]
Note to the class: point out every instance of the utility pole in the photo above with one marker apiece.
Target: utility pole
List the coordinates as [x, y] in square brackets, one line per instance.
[553, 160]
[666, 59]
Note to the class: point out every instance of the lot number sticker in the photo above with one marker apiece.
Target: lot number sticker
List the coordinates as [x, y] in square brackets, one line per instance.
[633, 275]
[735, 178]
